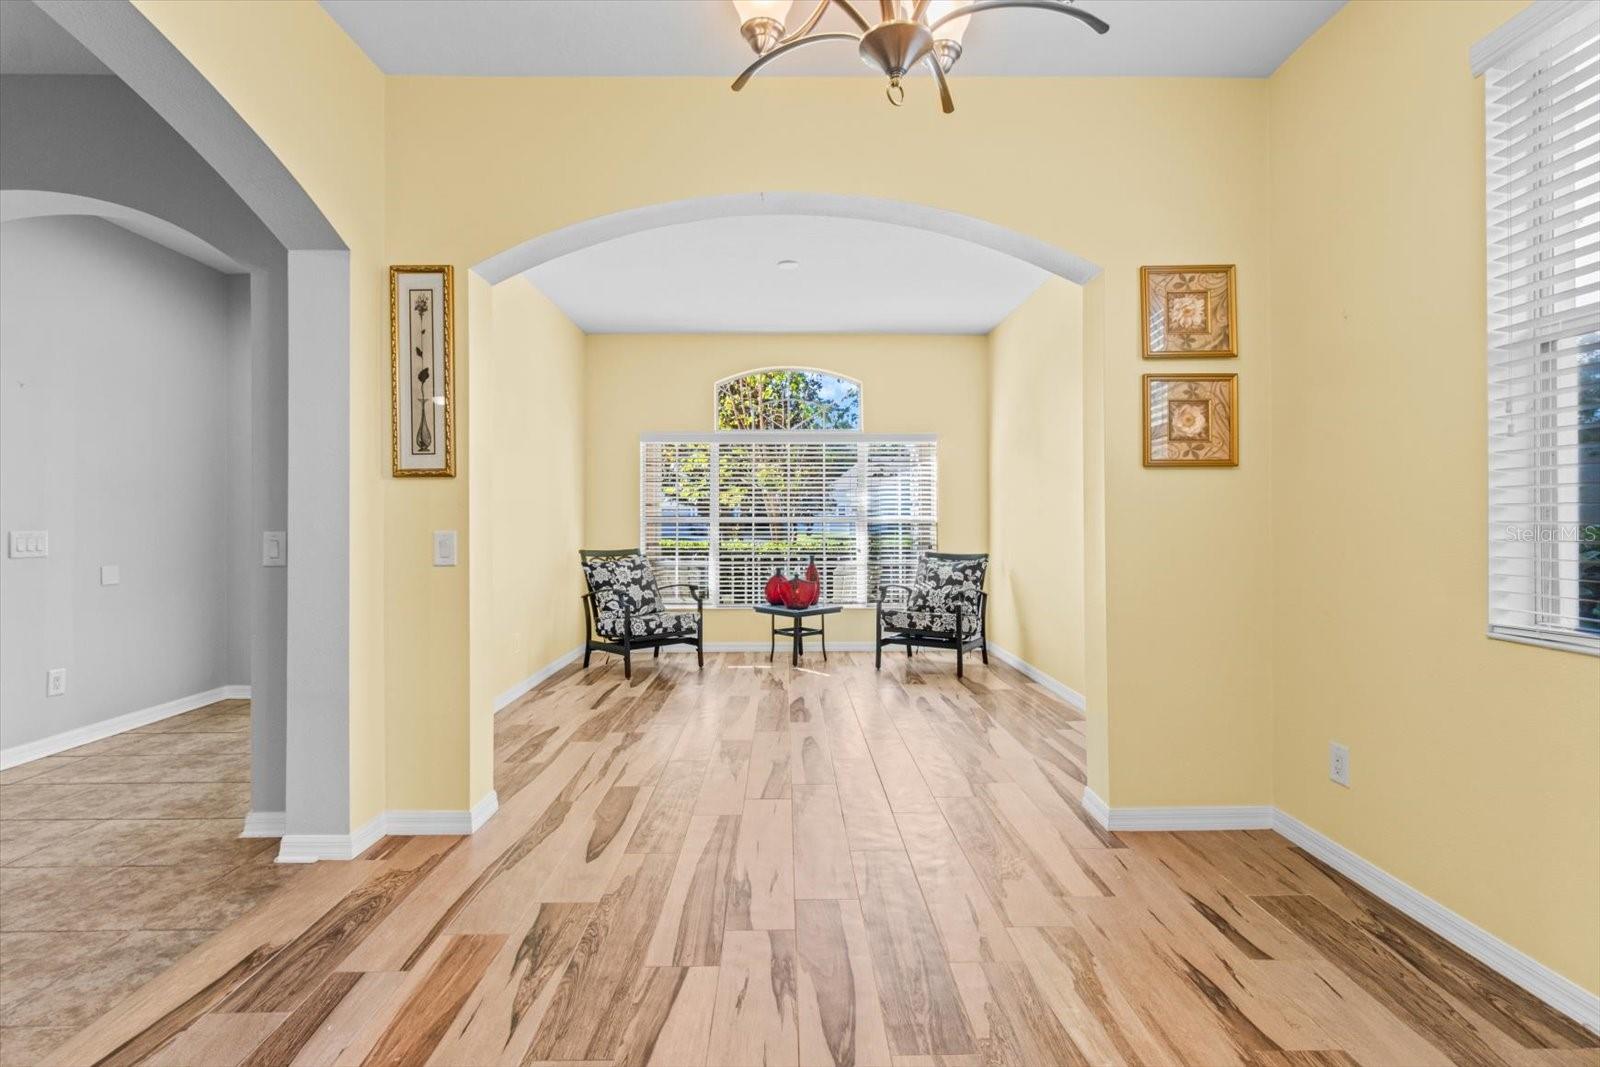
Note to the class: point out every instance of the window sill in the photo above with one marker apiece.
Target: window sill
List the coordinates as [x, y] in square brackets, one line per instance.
[1582, 646]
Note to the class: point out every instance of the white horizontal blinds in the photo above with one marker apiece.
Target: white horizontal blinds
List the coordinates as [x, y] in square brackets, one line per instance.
[902, 509]
[1543, 124]
[675, 513]
[726, 511]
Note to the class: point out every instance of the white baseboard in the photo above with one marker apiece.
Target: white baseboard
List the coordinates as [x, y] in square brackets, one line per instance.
[264, 824]
[309, 848]
[1071, 696]
[1215, 817]
[526, 686]
[98, 731]
[435, 823]
[784, 644]
[1560, 992]
[1096, 808]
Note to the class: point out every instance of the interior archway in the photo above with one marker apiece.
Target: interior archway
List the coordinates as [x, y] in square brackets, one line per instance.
[581, 235]
[611, 512]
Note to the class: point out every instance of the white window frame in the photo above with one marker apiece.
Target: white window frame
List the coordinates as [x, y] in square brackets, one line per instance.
[1540, 106]
[714, 520]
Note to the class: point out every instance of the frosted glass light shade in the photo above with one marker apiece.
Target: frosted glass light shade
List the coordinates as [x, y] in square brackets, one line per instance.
[950, 31]
[777, 10]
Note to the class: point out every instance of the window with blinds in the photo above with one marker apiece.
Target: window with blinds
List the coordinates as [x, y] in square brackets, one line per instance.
[722, 511]
[1542, 110]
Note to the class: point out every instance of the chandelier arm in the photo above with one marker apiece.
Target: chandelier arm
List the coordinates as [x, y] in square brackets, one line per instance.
[763, 60]
[945, 100]
[886, 10]
[1098, 25]
[916, 13]
[855, 16]
[809, 24]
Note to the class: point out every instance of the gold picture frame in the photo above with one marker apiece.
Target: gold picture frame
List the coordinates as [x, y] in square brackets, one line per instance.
[1190, 420]
[422, 410]
[1189, 312]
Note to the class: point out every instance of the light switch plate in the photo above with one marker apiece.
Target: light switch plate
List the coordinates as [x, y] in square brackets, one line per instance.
[55, 682]
[274, 548]
[444, 548]
[110, 574]
[28, 544]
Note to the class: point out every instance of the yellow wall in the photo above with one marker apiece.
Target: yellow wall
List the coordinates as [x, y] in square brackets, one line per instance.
[535, 501]
[325, 122]
[1036, 532]
[1475, 764]
[642, 383]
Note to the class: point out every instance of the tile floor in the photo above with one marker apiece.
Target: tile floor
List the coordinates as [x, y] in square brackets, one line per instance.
[116, 859]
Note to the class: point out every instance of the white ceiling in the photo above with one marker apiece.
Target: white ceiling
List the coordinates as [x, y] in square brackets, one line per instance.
[1212, 38]
[32, 43]
[721, 276]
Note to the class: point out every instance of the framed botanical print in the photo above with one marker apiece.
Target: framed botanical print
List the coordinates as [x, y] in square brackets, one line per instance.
[421, 367]
[1191, 420]
[1188, 312]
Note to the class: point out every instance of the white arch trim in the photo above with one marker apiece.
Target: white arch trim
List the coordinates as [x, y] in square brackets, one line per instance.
[18, 204]
[595, 231]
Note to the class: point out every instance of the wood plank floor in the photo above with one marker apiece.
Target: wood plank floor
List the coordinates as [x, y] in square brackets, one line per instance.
[760, 865]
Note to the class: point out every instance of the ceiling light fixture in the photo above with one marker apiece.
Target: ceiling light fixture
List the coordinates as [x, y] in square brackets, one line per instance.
[908, 32]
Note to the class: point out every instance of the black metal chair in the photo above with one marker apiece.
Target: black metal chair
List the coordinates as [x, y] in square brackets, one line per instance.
[946, 608]
[624, 609]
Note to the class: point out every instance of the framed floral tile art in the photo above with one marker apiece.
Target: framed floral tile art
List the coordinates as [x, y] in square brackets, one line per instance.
[1191, 420]
[422, 402]
[1188, 312]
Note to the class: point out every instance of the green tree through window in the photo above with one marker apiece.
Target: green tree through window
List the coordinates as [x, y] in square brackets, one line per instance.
[788, 398]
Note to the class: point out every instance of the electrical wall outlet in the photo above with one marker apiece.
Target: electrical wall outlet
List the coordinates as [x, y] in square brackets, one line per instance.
[110, 574]
[1339, 764]
[55, 682]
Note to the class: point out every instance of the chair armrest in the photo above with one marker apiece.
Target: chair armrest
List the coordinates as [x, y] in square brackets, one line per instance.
[885, 588]
[694, 590]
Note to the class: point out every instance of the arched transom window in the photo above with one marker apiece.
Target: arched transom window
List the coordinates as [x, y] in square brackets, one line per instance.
[788, 398]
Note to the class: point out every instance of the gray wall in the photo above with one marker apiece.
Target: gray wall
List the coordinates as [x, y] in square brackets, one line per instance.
[119, 360]
[93, 137]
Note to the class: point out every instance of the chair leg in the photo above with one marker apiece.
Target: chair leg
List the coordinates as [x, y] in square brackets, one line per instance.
[984, 648]
[958, 659]
[878, 654]
[657, 653]
[627, 663]
[700, 652]
[588, 650]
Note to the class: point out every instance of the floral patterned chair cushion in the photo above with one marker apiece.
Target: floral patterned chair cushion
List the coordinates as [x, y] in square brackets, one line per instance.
[655, 624]
[939, 622]
[942, 583]
[614, 580]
